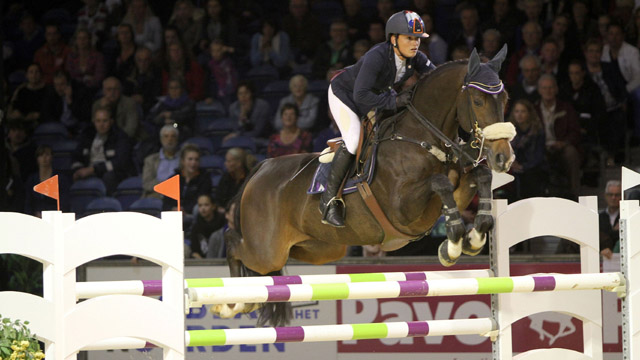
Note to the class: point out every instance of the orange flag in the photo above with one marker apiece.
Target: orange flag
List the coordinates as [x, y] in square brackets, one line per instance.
[49, 188]
[170, 188]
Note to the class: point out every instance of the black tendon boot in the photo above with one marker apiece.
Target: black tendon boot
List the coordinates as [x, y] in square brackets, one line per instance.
[331, 208]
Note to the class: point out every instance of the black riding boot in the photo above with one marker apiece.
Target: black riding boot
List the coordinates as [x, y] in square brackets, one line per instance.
[332, 209]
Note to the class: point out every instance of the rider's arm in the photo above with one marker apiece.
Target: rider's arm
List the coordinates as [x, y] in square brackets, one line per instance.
[373, 65]
[423, 64]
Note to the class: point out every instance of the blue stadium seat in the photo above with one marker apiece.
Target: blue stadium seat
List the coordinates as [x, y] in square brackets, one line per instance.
[128, 191]
[212, 163]
[83, 191]
[215, 109]
[50, 132]
[102, 204]
[205, 144]
[240, 141]
[149, 206]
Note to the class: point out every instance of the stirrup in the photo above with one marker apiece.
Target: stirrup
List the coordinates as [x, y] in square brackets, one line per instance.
[326, 206]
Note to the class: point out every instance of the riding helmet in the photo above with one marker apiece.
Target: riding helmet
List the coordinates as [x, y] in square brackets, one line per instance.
[406, 23]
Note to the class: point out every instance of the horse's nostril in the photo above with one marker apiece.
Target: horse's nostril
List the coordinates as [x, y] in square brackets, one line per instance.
[500, 159]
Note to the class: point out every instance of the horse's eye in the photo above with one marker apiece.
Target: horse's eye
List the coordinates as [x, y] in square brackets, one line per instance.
[477, 102]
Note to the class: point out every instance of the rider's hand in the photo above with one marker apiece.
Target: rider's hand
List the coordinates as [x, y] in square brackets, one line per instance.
[403, 99]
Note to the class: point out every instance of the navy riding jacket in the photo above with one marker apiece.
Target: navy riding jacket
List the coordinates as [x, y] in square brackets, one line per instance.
[369, 83]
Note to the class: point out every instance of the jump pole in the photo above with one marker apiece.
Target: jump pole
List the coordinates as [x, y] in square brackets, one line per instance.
[317, 333]
[91, 289]
[402, 289]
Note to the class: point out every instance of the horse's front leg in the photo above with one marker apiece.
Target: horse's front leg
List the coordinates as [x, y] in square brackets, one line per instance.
[450, 249]
[475, 239]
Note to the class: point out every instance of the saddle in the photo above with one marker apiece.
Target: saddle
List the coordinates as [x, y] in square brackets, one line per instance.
[361, 173]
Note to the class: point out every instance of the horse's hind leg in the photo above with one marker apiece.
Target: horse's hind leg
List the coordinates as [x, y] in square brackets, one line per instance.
[475, 239]
[450, 249]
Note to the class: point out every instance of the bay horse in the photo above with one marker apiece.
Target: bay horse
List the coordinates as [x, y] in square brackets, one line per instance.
[414, 184]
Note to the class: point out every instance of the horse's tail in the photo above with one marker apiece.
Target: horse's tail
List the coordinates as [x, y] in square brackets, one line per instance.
[275, 314]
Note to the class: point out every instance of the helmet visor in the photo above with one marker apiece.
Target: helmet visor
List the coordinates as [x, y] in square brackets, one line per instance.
[416, 26]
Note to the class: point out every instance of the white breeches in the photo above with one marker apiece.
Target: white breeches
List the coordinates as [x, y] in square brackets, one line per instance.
[348, 122]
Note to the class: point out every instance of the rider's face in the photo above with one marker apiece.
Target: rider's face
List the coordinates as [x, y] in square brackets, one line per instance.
[407, 45]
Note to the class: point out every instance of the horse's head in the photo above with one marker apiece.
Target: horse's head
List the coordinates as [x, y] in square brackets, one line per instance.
[481, 111]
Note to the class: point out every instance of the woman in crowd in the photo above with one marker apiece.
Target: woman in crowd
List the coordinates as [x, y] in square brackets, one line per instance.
[530, 167]
[26, 102]
[270, 47]
[216, 24]
[123, 62]
[84, 64]
[174, 108]
[306, 103]
[251, 115]
[208, 220]
[193, 181]
[189, 29]
[178, 64]
[291, 139]
[146, 26]
[222, 75]
[434, 46]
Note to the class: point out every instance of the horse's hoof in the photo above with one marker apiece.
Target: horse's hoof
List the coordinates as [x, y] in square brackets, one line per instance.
[225, 311]
[443, 255]
[473, 242]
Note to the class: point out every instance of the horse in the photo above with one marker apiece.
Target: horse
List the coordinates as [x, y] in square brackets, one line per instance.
[415, 181]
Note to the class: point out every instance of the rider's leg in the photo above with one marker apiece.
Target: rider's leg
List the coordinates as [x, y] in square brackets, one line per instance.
[349, 125]
[330, 207]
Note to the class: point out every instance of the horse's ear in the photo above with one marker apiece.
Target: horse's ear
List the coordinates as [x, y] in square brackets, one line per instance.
[496, 62]
[474, 63]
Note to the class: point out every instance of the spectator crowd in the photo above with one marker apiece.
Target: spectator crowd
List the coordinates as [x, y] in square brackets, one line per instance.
[204, 89]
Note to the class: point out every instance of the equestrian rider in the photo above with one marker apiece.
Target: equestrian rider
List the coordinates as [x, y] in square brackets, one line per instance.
[366, 85]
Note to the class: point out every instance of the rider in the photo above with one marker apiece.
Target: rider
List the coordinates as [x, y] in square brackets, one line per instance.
[366, 85]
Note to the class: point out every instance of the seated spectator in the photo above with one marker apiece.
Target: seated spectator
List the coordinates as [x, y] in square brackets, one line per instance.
[527, 88]
[469, 34]
[161, 165]
[175, 109]
[26, 102]
[613, 89]
[585, 26]
[251, 115]
[104, 151]
[609, 219]
[30, 39]
[435, 47]
[460, 52]
[52, 55]
[217, 24]
[291, 139]
[208, 220]
[93, 17]
[303, 29]
[532, 36]
[270, 47]
[68, 104]
[122, 108]
[503, 19]
[21, 147]
[360, 47]
[562, 33]
[530, 166]
[216, 246]
[357, 22]
[306, 103]
[236, 163]
[562, 133]
[376, 32]
[193, 181]
[385, 9]
[626, 58]
[184, 20]
[35, 203]
[221, 74]
[123, 61]
[146, 26]
[84, 64]
[491, 43]
[177, 63]
[144, 83]
[335, 52]
[550, 61]
[587, 100]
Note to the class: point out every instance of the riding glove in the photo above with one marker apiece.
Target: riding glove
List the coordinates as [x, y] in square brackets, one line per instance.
[403, 99]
